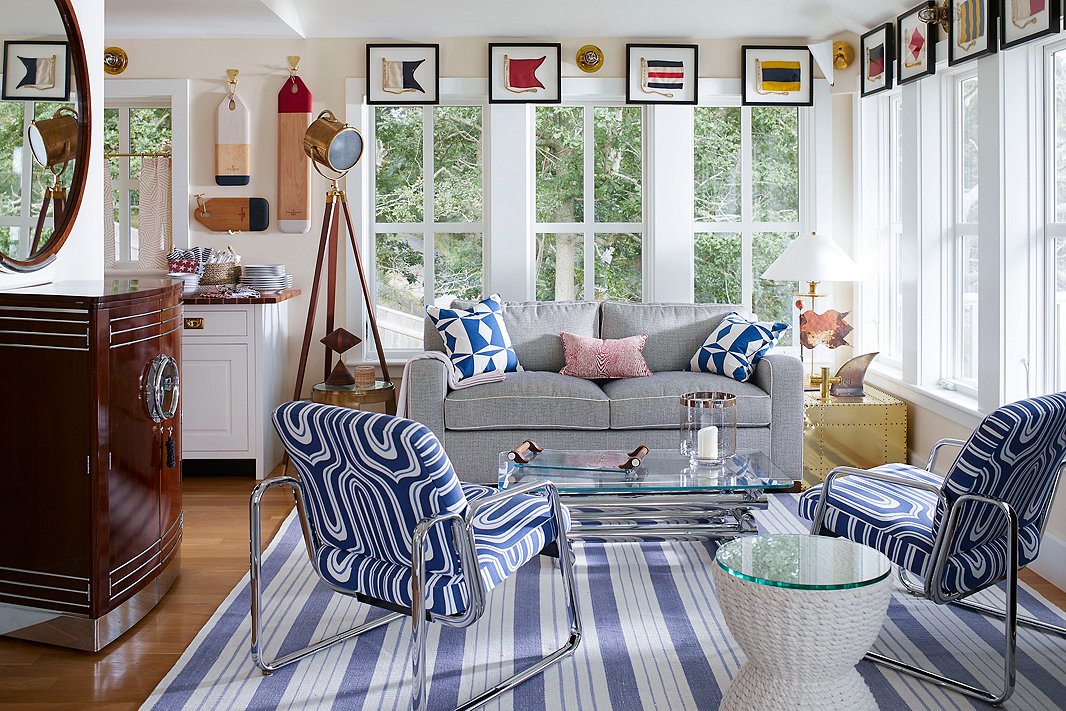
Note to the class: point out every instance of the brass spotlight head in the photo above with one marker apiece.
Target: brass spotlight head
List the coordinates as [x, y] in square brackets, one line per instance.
[54, 141]
[332, 144]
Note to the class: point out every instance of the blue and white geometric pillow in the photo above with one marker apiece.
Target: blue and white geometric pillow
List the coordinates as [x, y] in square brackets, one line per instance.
[476, 340]
[736, 346]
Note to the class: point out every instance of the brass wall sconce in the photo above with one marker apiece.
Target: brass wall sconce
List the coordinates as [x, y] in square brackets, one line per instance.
[589, 58]
[115, 60]
[843, 55]
[936, 15]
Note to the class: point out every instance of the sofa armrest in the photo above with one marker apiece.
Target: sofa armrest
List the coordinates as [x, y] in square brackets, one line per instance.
[427, 386]
[781, 376]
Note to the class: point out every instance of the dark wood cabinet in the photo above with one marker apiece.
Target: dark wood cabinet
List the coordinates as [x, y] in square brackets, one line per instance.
[90, 516]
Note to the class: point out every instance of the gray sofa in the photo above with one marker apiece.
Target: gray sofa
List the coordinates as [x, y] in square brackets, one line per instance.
[557, 411]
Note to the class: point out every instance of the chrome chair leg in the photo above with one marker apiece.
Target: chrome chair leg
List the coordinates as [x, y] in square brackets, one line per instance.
[255, 568]
[419, 622]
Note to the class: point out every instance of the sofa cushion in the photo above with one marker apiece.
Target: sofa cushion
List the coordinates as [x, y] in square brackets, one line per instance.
[597, 359]
[675, 331]
[654, 402]
[534, 329]
[529, 400]
[736, 346]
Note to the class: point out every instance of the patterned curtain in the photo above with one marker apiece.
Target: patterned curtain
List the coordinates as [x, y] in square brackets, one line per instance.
[155, 233]
[110, 246]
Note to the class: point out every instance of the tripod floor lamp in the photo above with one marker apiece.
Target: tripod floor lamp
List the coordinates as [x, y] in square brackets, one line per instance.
[335, 147]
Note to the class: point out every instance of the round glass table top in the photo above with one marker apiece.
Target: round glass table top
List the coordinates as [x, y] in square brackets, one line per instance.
[803, 562]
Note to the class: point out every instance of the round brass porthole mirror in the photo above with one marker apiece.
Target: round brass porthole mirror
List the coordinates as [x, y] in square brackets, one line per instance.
[44, 145]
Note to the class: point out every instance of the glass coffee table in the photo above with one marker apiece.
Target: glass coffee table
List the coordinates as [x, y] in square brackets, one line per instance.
[805, 610]
[665, 496]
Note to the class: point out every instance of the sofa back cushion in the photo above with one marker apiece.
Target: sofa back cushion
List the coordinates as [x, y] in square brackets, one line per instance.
[534, 328]
[675, 331]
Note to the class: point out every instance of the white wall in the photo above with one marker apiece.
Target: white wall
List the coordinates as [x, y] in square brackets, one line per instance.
[82, 257]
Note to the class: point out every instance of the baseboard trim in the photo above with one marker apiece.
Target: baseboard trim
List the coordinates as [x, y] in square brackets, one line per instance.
[1051, 563]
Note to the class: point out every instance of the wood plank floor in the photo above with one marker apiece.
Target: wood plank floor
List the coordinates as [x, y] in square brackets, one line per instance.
[36, 677]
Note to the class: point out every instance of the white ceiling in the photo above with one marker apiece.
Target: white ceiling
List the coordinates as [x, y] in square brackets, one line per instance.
[28, 19]
[494, 18]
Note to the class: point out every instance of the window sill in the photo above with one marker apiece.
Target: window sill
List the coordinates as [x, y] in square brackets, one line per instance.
[954, 406]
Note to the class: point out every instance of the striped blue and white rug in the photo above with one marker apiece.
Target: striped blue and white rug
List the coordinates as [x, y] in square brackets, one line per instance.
[653, 638]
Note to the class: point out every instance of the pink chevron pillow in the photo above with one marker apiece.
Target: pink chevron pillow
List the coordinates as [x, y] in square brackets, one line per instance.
[597, 359]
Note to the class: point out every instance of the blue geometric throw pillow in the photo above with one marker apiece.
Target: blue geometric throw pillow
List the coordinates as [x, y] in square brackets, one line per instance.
[736, 346]
[476, 340]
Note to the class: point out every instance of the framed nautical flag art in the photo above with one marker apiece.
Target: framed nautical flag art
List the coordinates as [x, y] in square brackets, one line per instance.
[971, 29]
[915, 45]
[1024, 20]
[662, 73]
[402, 74]
[36, 71]
[525, 73]
[777, 76]
[877, 59]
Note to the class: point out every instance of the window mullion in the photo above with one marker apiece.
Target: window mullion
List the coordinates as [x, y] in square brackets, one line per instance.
[589, 216]
[428, 214]
[124, 216]
[747, 287]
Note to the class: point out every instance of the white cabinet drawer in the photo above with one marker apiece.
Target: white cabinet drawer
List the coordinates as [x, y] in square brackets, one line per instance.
[209, 322]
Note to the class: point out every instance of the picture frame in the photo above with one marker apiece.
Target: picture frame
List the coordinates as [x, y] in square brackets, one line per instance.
[877, 48]
[402, 74]
[36, 70]
[1022, 21]
[526, 73]
[972, 29]
[915, 46]
[662, 73]
[776, 75]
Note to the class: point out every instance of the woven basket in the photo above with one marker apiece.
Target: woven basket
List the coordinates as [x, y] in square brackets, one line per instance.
[215, 274]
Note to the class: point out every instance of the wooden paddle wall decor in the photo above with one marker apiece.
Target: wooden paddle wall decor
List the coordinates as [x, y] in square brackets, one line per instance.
[233, 214]
[233, 138]
[294, 167]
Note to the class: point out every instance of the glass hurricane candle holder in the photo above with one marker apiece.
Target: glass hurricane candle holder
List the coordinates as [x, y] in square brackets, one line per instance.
[708, 427]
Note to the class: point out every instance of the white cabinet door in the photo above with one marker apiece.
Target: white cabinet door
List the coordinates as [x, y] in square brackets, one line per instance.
[215, 398]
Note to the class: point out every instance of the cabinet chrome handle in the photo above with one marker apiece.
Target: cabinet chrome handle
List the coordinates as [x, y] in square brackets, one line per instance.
[163, 380]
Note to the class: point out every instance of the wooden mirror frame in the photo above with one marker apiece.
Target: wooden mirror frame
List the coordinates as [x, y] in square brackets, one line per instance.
[80, 65]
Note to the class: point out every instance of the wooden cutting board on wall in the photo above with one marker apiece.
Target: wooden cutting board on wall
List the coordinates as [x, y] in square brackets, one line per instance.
[233, 143]
[294, 167]
[236, 214]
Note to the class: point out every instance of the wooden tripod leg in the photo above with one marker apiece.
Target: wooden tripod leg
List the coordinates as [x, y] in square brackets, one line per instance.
[40, 221]
[369, 302]
[333, 256]
[328, 219]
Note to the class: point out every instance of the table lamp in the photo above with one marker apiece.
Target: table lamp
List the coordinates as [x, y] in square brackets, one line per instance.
[815, 258]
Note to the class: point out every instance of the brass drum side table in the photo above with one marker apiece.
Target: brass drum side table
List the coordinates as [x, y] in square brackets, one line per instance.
[356, 397]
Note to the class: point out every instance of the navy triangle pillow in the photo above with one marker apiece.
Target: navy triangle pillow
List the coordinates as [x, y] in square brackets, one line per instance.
[476, 340]
[736, 346]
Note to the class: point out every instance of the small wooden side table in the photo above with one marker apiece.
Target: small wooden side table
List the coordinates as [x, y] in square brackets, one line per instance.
[356, 397]
[852, 431]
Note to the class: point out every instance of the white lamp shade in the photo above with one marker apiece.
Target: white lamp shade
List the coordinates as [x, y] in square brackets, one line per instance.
[813, 258]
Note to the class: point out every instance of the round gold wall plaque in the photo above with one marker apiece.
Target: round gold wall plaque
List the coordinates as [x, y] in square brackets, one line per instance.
[115, 60]
[590, 58]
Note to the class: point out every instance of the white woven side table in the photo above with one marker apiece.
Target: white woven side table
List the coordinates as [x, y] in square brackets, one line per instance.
[805, 610]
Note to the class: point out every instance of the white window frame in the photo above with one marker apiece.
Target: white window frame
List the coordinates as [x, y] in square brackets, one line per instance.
[160, 93]
[1051, 373]
[428, 226]
[956, 233]
[589, 227]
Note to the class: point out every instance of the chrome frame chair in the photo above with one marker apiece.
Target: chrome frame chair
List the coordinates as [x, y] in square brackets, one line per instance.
[463, 540]
[934, 570]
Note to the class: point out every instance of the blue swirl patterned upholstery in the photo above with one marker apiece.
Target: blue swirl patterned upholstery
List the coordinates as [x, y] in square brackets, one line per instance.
[1013, 457]
[371, 478]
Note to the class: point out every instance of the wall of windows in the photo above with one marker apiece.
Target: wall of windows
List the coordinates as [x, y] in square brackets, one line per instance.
[1054, 247]
[589, 177]
[428, 220]
[586, 200]
[746, 185]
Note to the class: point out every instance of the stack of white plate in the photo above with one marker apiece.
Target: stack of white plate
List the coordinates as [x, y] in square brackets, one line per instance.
[190, 281]
[266, 277]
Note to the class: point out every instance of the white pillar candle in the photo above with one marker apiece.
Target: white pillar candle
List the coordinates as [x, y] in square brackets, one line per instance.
[708, 443]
